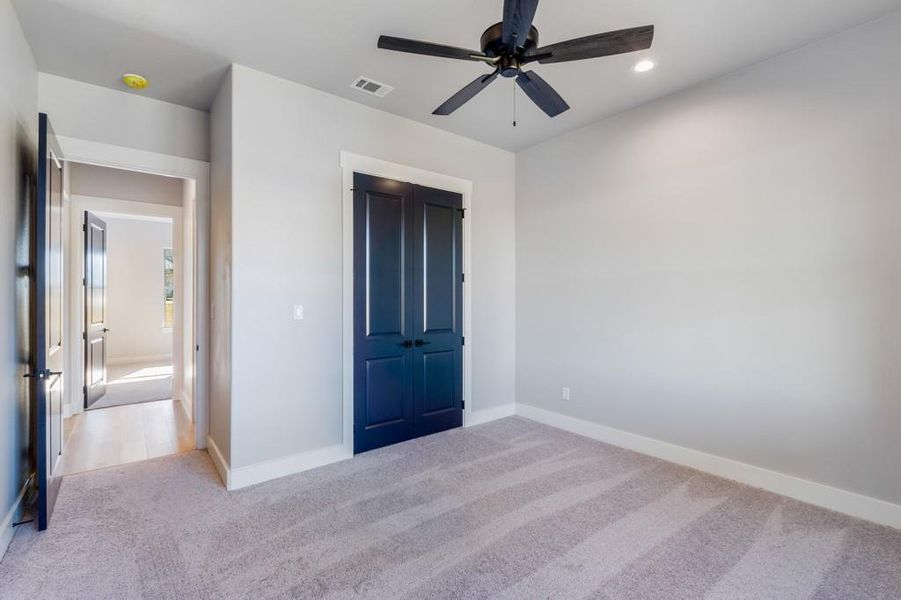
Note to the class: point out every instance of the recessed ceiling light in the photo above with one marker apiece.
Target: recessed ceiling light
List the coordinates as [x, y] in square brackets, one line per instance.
[644, 66]
[135, 81]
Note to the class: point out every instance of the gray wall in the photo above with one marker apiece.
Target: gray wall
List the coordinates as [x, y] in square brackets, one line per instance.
[221, 268]
[288, 247]
[18, 133]
[721, 269]
[90, 112]
[105, 182]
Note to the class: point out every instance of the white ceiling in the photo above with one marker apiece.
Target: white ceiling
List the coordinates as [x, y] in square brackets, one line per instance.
[184, 47]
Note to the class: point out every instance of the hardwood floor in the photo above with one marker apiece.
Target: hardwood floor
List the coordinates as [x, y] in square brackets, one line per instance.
[122, 434]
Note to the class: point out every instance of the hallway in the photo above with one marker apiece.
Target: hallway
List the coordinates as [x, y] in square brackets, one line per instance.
[123, 434]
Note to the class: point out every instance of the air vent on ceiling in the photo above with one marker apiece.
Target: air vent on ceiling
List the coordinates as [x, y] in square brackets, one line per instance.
[365, 84]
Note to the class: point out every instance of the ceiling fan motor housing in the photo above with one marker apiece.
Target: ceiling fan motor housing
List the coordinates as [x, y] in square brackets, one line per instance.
[493, 45]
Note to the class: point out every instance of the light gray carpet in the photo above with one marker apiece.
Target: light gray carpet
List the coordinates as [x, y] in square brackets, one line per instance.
[511, 509]
[136, 383]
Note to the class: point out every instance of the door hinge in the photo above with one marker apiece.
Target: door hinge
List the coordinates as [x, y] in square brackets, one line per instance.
[84, 335]
[84, 227]
[463, 404]
[463, 277]
[84, 390]
[462, 213]
[84, 282]
[463, 341]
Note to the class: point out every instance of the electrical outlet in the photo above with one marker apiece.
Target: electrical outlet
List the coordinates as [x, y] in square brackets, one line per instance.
[566, 394]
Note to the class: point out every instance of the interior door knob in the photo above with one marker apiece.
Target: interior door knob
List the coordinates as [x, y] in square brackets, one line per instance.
[420, 343]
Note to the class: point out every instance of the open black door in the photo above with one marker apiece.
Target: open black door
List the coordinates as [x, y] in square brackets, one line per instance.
[95, 329]
[47, 321]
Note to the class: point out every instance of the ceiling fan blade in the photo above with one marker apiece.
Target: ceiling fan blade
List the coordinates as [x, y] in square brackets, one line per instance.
[541, 93]
[595, 46]
[387, 42]
[465, 95]
[518, 17]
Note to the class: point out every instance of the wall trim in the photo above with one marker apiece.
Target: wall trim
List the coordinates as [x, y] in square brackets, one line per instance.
[219, 462]
[6, 528]
[356, 163]
[824, 496]
[179, 398]
[241, 477]
[490, 414]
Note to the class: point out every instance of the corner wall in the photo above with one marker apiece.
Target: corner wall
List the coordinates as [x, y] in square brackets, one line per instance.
[18, 135]
[721, 269]
[220, 273]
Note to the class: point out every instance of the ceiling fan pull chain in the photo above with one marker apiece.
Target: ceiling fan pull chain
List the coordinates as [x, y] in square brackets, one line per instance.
[514, 103]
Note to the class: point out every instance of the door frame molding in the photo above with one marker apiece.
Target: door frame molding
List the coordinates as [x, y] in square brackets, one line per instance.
[105, 208]
[355, 163]
[132, 159]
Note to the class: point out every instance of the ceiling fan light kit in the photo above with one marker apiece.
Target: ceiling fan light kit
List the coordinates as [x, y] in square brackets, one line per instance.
[512, 44]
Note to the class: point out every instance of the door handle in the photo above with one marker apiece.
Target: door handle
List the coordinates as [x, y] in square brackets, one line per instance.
[45, 374]
[407, 344]
[420, 343]
[105, 330]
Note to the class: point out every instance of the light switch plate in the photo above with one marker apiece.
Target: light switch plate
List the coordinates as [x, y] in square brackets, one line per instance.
[566, 394]
[298, 312]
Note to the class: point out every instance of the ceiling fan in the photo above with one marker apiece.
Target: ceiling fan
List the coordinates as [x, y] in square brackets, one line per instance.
[510, 45]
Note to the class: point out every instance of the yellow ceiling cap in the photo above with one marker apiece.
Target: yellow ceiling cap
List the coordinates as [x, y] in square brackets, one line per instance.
[135, 81]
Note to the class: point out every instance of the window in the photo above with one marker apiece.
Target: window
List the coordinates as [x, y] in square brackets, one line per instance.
[168, 288]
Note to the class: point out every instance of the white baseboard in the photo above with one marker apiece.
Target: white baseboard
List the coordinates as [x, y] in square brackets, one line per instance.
[491, 414]
[180, 399]
[6, 528]
[843, 501]
[219, 462]
[131, 360]
[241, 477]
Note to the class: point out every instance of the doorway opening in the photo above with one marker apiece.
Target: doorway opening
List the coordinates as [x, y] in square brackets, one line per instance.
[130, 309]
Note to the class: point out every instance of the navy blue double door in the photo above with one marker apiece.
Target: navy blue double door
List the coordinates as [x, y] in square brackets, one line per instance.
[408, 311]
